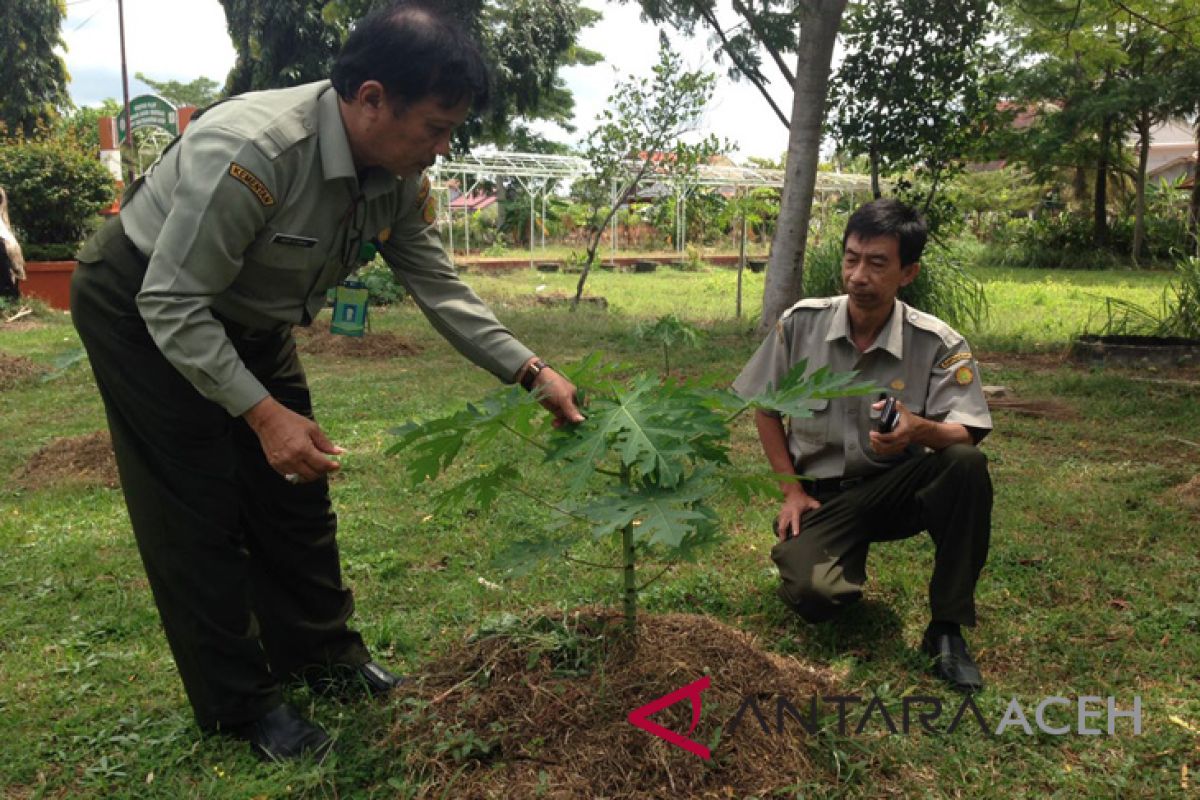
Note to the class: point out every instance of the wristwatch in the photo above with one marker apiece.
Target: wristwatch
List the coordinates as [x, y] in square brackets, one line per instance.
[531, 372]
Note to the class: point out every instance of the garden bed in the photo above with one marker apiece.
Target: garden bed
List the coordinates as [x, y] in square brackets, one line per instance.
[1136, 350]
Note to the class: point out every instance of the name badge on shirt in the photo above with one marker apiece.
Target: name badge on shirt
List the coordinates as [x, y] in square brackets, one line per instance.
[291, 240]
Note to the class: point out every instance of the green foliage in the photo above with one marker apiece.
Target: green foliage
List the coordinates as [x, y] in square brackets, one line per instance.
[55, 188]
[83, 124]
[279, 43]
[381, 283]
[1066, 241]
[646, 464]
[668, 331]
[1178, 312]
[914, 90]
[32, 72]
[200, 92]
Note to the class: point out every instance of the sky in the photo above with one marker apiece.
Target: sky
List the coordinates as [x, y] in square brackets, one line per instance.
[186, 39]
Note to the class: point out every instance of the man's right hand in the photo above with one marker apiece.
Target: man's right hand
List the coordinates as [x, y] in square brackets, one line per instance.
[293, 444]
[795, 504]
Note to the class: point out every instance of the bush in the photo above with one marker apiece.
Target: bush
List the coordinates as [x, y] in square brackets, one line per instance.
[55, 189]
[381, 284]
[1065, 241]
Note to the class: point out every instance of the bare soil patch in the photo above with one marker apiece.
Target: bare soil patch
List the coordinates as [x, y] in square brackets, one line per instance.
[85, 460]
[317, 340]
[1034, 407]
[502, 716]
[16, 370]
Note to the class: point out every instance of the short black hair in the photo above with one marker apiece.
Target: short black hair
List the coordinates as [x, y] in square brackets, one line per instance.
[888, 217]
[416, 51]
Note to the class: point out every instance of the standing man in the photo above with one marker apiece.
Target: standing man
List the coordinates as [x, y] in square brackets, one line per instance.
[863, 484]
[186, 304]
[12, 261]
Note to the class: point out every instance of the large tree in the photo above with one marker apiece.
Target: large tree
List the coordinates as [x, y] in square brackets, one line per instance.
[33, 76]
[526, 42]
[914, 90]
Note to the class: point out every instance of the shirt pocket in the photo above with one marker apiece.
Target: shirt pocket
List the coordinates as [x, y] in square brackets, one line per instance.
[288, 251]
[812, 430]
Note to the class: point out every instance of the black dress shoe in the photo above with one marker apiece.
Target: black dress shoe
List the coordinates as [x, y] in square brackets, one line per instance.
[951, 661]
[347, 681]
[283, 734]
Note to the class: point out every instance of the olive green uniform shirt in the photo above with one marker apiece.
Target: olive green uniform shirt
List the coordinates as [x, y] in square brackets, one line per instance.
[257, 211]
[916, 357]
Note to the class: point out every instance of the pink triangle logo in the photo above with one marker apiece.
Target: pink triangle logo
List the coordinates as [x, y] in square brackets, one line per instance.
[640, 717]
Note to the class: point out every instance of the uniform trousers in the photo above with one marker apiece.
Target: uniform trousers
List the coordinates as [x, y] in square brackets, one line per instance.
[948, 493]
[243, 565]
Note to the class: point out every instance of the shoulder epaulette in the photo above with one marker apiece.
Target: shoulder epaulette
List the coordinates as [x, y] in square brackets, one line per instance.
[930, 323]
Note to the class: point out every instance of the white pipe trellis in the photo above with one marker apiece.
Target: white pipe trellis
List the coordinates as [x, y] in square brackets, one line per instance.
[529, 167]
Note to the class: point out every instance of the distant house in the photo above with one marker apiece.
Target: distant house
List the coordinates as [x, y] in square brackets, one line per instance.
[1172, 151]
[475, 201]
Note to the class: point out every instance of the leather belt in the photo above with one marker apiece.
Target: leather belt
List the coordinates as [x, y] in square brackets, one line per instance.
[830, 485]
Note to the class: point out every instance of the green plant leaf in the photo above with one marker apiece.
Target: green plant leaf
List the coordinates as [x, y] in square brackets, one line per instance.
[793, 396]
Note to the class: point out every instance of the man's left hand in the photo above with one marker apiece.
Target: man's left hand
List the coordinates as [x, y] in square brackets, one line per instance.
[559, 396]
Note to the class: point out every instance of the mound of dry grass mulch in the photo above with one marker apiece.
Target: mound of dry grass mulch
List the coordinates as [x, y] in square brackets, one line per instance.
[86, 460]
[497, 717]
[317, 340]
[16, 370]
[1034, 407]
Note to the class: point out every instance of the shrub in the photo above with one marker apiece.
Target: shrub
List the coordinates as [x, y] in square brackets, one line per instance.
[55, 189]
[382, 285]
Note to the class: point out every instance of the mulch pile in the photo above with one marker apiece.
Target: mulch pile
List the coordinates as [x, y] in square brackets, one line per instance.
[17, 370]
[497, 718]
[86, 460]
[1035, 407]
[317, 340]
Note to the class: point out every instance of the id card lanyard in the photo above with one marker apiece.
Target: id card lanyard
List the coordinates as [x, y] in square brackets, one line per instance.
[350, 297]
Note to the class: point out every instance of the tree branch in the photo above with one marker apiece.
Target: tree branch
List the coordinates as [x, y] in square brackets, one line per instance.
[753, 75]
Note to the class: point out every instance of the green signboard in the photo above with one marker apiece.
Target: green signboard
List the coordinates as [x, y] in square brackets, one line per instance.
[149, 111]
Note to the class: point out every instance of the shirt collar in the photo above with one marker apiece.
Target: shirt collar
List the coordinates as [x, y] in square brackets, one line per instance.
[891, 338]
[336, 159]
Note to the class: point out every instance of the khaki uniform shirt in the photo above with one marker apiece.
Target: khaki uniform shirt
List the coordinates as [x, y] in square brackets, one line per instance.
[916, 357]
[257, 211]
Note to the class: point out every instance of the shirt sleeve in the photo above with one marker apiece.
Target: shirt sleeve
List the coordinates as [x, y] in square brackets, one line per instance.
[415, 254]
[225, 192]
[956, 390]
[768, 364]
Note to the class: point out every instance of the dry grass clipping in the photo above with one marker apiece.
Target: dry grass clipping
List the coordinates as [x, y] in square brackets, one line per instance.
[494, 719]
[86, 460]
[16, 370]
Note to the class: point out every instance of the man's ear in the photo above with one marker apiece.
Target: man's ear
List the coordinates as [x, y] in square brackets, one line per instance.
[371, 95]
[909, 272]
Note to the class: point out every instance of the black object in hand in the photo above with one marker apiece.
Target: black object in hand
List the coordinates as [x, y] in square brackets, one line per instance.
[889, 416]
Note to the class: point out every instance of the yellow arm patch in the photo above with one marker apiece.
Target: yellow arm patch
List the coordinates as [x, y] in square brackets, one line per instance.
[429, 210]
[252, 182]
[950, 361]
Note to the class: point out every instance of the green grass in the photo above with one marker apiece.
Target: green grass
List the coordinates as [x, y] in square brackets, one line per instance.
[1091, 586]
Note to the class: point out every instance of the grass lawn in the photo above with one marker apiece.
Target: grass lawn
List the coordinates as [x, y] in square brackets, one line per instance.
[1091, 588]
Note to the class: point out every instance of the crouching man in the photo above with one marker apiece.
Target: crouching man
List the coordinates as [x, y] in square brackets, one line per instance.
[862, 485]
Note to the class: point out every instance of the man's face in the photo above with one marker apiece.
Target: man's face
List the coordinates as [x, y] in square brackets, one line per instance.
[405, 139]
[871, 272]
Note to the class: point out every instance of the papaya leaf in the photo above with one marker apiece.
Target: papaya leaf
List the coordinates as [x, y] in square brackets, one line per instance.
[480, 490]
[796, 393]
[519, 557]
[661, 516]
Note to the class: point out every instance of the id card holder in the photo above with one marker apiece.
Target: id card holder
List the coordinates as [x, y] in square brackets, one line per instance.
[349, 309]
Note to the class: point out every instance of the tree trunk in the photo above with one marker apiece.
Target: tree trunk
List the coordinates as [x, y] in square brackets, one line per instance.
[876, 192]
[784, 284]
[741, 256]
[1194, 206]
[1100, 198]
[1139, 212]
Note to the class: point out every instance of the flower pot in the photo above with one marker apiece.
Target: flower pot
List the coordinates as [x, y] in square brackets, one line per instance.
[756, 265]
[49, 281]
